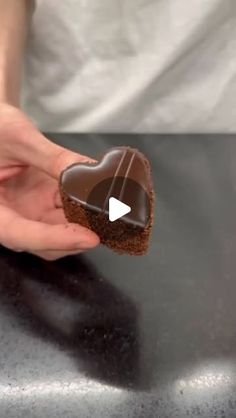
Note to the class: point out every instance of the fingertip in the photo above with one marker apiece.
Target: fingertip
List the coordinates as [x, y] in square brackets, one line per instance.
[86, 237]
[62, 158]
[94, 240]
[91, 241]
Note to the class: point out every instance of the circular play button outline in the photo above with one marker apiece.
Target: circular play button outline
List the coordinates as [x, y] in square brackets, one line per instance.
[118, 213]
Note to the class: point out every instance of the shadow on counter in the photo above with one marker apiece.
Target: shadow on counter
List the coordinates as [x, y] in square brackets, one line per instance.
[68, 303]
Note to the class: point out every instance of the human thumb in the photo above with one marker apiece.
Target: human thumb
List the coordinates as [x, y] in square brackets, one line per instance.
[52, 158]
[21, 143]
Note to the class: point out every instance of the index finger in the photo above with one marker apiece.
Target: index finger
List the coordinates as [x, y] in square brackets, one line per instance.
[19, 233]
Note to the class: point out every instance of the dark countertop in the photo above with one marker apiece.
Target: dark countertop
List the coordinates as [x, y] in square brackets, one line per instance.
[103, 335]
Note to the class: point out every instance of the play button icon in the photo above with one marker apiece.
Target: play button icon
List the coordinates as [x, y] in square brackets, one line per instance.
[117, 209]
[121, 212]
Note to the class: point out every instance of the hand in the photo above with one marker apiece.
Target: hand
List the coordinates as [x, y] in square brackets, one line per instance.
[31, 215]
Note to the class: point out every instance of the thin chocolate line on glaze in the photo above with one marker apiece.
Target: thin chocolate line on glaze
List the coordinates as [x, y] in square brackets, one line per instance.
[126, 176]
[114, 180]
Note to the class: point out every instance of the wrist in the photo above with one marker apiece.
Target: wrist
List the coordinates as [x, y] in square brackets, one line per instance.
[14, 20]
[9, 90]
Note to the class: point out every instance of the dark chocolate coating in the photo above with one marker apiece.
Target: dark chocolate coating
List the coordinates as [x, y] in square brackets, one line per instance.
[122, 174]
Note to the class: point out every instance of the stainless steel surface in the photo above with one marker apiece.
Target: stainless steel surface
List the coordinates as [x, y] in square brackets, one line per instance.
[103, 335]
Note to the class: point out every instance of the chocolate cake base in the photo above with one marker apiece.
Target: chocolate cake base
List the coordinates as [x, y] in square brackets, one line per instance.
[118, 236]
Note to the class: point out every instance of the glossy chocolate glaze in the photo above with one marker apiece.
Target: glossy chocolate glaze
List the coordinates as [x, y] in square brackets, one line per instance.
[122, 173]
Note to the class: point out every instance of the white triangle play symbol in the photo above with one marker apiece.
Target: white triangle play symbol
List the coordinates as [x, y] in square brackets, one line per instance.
[117, 209]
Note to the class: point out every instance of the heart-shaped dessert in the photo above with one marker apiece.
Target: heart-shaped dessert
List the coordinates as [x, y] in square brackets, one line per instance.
[123, 174]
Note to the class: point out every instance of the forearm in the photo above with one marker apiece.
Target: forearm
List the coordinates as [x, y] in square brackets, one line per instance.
[14, 19]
